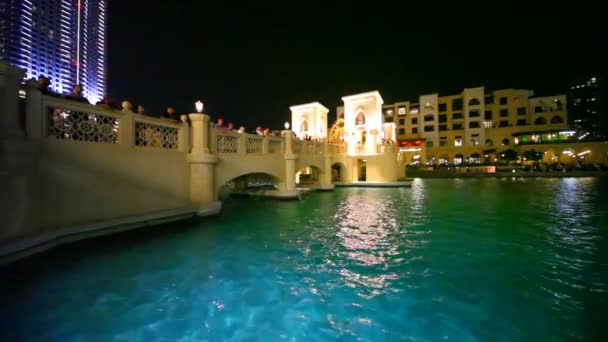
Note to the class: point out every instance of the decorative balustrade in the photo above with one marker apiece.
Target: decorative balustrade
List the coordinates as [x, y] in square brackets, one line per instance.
[156, 134]
[69, 120]
[226, 142]
[254, 144]
[64, 119]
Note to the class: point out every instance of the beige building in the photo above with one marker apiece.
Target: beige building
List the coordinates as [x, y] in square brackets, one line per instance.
[471, 126]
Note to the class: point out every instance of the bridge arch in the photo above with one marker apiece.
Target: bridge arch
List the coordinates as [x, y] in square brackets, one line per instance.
[338, 172]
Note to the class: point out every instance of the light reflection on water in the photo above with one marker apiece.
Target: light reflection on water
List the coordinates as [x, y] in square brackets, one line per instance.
[466, 259]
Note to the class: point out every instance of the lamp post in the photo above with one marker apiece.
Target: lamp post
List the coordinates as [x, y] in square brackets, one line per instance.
[199, 106]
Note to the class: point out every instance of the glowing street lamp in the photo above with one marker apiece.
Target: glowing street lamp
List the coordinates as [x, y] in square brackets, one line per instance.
[199, 106]
[286, 125]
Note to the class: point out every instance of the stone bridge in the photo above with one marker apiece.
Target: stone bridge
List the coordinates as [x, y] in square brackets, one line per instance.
[71, 168]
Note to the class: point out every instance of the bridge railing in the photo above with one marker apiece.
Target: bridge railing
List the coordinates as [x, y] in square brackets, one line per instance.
[308, 147]
[58, 119]
[337, 148]
[224, 142]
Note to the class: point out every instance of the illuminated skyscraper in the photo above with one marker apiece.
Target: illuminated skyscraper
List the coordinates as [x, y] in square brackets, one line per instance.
[61, 39]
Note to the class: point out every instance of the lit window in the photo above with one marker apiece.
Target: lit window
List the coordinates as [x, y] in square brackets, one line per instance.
[401, 111]
[458, 142]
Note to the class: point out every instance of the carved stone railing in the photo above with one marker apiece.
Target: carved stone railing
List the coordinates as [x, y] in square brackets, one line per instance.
[225, 142]
[49, 117]
[156, 133]
[70, 120]
[255, 144]
[385, 148]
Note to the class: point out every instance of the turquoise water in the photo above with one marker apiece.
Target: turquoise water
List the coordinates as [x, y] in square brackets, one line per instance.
[457, 260]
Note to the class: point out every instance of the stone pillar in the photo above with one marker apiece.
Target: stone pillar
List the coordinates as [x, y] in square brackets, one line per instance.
[202, 168]
[35, 116]
[289, 190]
[10, 77]
[126, 130]
[371, 144]
[326, 176]
[184, 135]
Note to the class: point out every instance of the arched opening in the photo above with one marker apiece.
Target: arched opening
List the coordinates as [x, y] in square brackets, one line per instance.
[361, 170]
[360, 118]
[489, 142]
[304, 126]
[458, 159]
[309, 175]
[475, 158]
[540, 121]
[337, 172]
[250, 184]
[557, 120]
[474, 102]
[506, 141]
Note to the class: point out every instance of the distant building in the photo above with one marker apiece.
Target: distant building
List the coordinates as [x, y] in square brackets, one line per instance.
[473, 126]
[61, 39]
[585, 98]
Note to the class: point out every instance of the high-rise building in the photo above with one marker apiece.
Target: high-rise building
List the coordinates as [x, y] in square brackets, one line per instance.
[64, 40]
[585, 110]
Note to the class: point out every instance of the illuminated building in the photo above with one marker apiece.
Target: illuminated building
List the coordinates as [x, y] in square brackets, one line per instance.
[61, 39]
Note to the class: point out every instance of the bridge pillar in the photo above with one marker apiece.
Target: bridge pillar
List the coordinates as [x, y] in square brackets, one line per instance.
[326, 183]
[289, 190]
[10, 77]
[202, 168]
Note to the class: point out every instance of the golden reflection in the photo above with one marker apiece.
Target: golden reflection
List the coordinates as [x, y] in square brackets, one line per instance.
[365, 224]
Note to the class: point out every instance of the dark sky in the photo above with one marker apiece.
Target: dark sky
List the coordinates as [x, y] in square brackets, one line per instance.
[249, 63]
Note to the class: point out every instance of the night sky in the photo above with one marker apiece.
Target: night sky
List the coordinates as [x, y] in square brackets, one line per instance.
[249, 63]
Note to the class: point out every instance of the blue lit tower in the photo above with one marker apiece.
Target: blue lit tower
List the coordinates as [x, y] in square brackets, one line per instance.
[62, 39]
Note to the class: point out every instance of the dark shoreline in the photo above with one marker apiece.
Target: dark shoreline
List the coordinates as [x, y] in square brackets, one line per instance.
[557, 174]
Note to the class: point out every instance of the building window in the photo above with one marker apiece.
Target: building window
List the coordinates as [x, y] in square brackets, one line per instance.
[474, 102]
[504, 113]
[402, 121]
[457, 104]
[414, 121]
[488, 124]
[401, 111]
[503, 123]
[457, 126]
[487, 115]
[489, 142]
[429, 128]
[521, 111]
[429, 117]
[503, 100]
[557, 120]
[429, 143]
[458, 141]
[521, 122]
[505, 142]
[401, 131]
[474, 124]
[389, 112]
[443, 127]
[488, 100]
[539, 109]
[388, 119]
[474, 113]
[443, 141]
[443, 118]
[540, 121]
[443, 107]
[475, 141]
[457, 115]
[415, 130]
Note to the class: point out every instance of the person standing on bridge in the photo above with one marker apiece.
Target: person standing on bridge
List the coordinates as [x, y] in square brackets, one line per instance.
[170, 115]
[219, 124]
